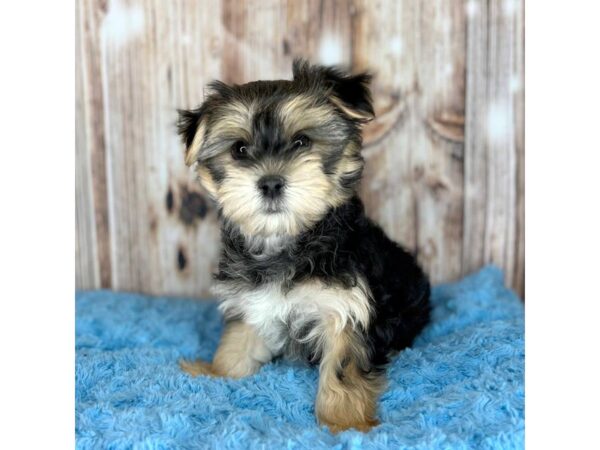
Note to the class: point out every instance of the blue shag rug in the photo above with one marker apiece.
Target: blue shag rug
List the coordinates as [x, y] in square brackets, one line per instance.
[459, 386]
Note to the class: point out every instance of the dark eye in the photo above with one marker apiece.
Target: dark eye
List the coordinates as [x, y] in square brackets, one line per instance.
[301, 141]
[239, 150]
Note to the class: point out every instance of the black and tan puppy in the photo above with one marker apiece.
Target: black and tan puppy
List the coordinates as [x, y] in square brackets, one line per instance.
[303, 272]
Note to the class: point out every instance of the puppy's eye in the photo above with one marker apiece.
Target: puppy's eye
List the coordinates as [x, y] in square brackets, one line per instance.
[239, 150]
[301, 141]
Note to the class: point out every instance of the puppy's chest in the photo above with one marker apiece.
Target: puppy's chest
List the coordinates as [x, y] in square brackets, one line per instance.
[295, 319]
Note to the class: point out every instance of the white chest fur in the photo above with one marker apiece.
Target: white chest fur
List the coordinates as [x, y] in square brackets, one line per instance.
[278, 315]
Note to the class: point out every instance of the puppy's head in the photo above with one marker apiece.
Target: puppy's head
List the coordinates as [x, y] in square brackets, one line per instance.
[277, 155]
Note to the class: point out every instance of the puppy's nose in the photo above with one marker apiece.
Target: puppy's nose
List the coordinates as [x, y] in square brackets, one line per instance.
[271, 186]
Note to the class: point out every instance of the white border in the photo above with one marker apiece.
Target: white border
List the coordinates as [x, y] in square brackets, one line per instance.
[562, 224]
[37, 226]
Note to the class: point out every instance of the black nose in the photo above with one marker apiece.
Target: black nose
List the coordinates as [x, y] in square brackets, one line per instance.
[271, 186]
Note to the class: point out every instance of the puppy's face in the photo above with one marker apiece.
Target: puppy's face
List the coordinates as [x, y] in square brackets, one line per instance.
[277, 155]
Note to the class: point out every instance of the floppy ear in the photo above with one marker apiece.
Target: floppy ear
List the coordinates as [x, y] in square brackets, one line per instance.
[349, 93]
[192, 129]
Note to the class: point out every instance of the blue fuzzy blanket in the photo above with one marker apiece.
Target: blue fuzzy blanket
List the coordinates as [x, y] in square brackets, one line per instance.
[459, 386]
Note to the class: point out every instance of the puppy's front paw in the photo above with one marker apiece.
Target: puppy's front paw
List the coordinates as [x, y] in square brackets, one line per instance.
[338, 426]
[198, 367]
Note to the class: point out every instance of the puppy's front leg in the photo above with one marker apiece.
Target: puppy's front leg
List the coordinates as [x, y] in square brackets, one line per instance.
[348, 387]
[241, 353]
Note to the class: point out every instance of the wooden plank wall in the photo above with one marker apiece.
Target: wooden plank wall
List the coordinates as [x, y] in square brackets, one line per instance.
[444, 157]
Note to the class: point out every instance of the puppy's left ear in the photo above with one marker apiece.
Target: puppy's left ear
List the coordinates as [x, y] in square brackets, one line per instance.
[352, 95]
[349, 93]
[191, 126]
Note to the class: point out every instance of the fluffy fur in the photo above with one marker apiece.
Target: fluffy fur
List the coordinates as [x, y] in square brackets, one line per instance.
[303, 272]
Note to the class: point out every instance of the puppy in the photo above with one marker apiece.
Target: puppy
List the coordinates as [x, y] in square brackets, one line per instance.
[303, 272]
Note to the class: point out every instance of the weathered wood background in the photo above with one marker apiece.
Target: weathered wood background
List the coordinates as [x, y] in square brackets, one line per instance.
[444, 157]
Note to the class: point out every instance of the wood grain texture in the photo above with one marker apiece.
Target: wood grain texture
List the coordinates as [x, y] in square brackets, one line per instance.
[413, 182]
[494, 148]
[444, 171]
[87, 272]
[91, 146]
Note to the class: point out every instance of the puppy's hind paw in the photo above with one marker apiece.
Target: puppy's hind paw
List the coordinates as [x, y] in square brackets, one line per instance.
[198, 367]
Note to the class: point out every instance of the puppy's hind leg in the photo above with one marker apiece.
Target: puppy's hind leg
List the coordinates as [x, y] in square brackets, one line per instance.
[241, 353]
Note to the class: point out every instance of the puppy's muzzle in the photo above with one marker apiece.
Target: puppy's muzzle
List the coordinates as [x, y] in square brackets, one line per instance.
[271, 186]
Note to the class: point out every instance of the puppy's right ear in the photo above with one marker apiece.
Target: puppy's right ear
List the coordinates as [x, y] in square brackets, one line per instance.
[191, 126]
[349, 93]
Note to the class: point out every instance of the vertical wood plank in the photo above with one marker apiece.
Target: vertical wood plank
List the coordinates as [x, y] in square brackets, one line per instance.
[517, 85]
[87, 272]
[494, 141]
[90, 122]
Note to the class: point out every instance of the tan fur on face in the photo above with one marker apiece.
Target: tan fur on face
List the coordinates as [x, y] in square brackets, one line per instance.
[302, 112]
[206, 180]
[233, 120]
[351, 163]
[240, 199]
[347, 397]
[308, 195]
[241, 353]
